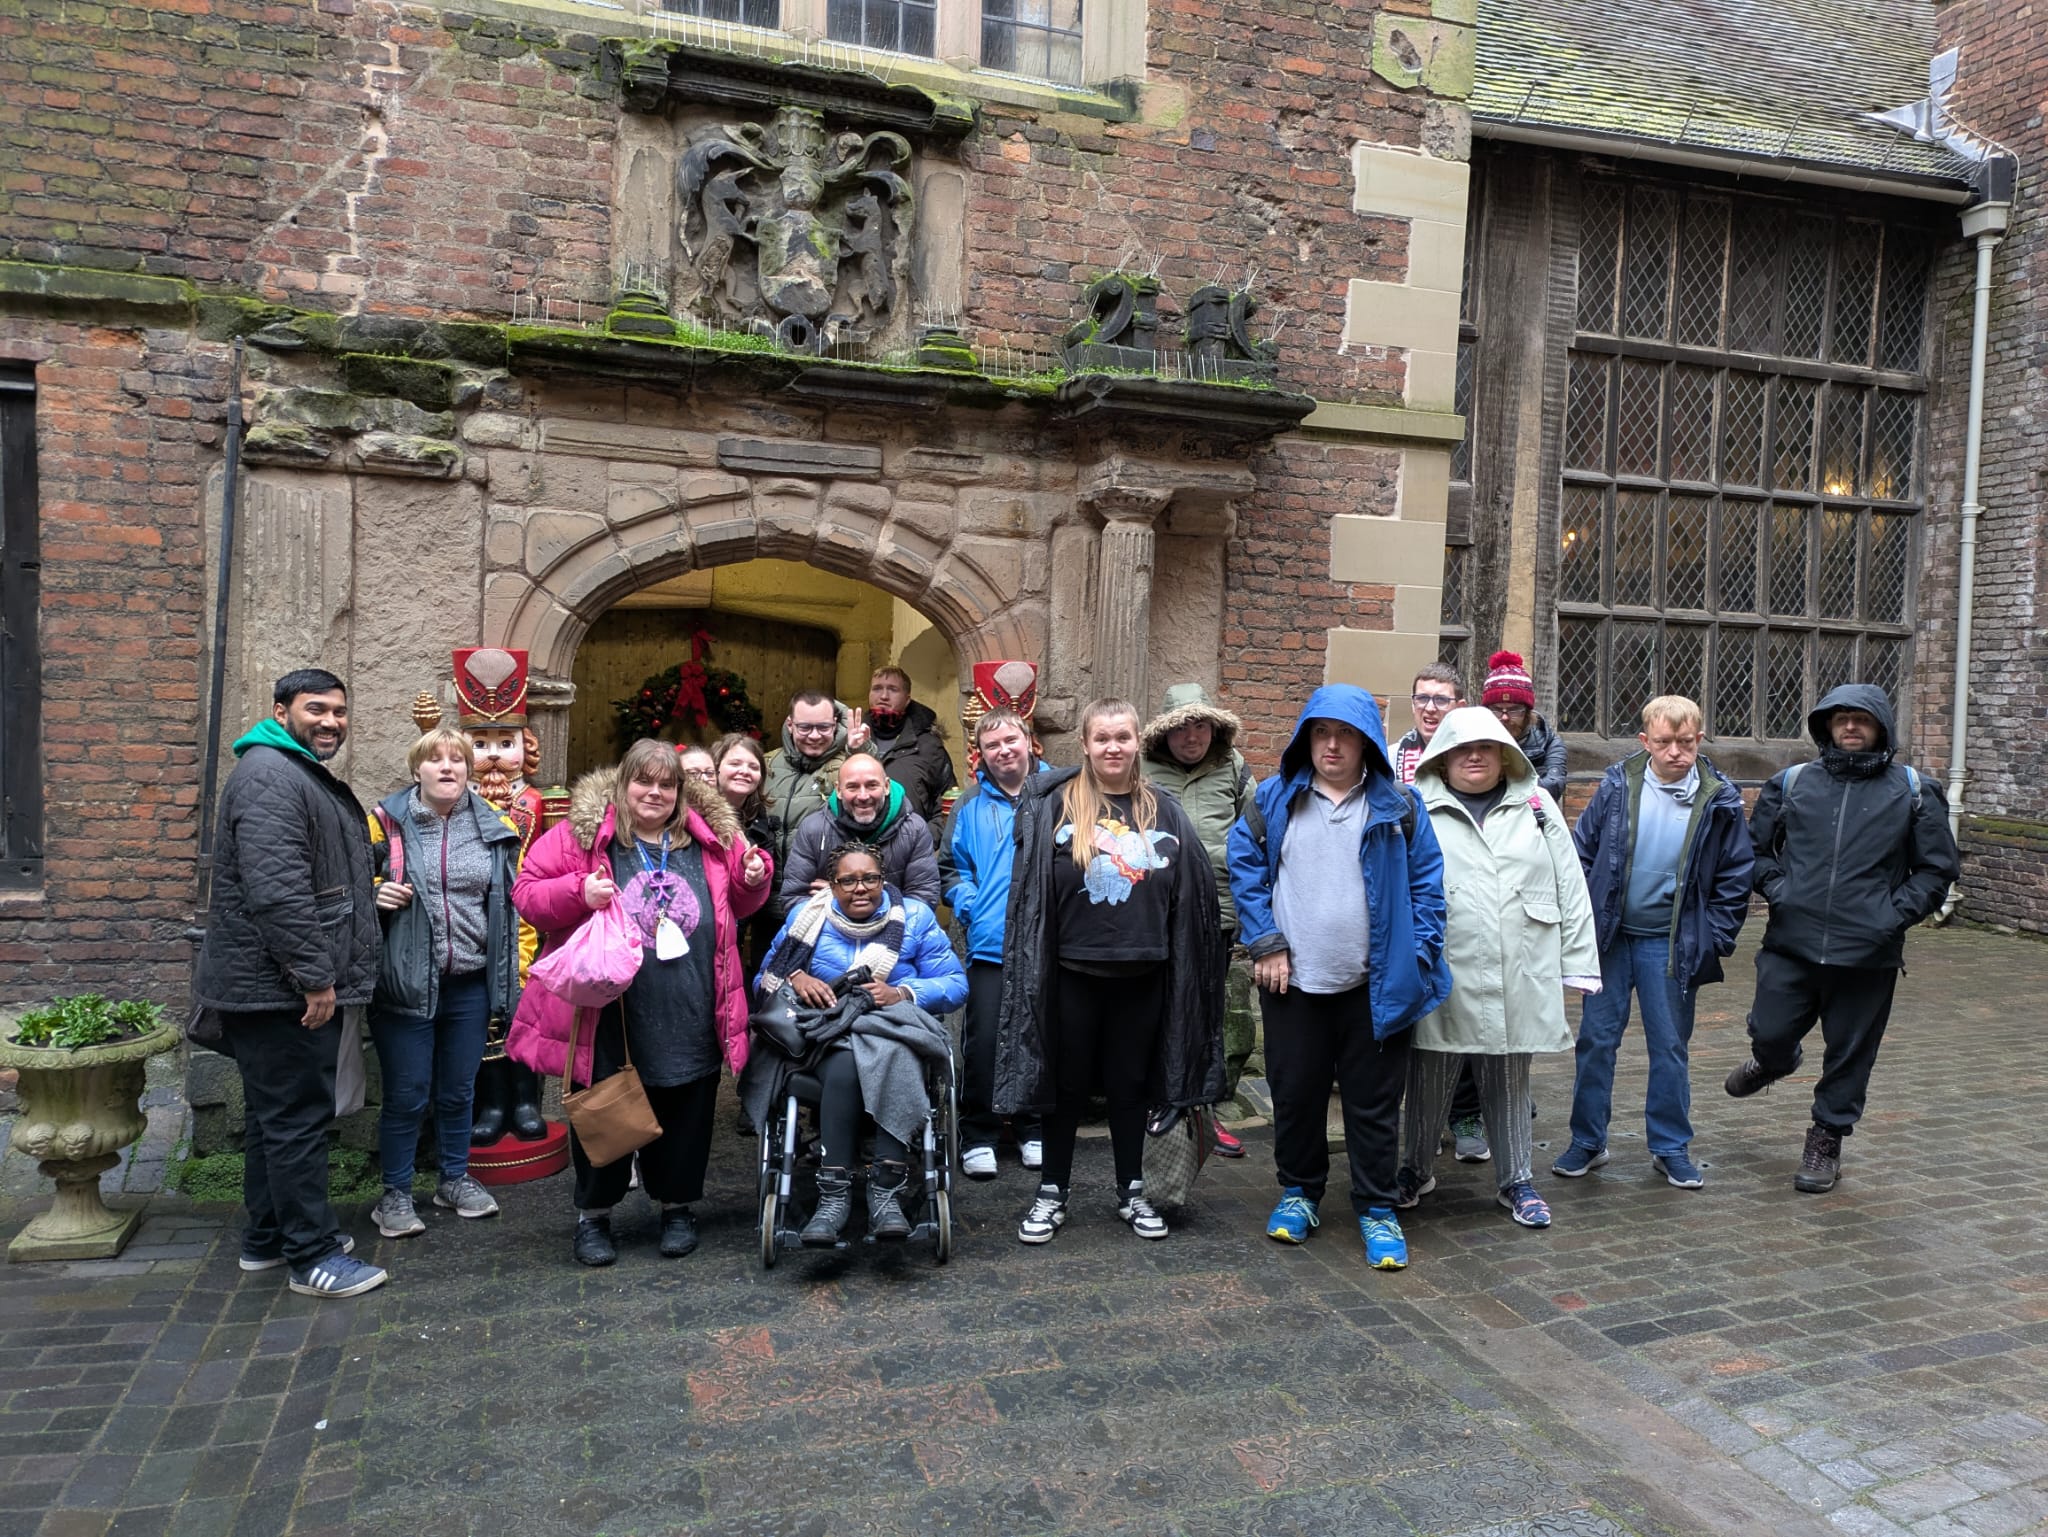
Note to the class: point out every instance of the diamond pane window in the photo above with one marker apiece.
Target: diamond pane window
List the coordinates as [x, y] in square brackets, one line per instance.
[1578, 557]
[1894, 430]
[1851, 327]
[1599, 255]
[1635, 548]
[1806, 285]
[1785, 683]
[1461, 402]
[1736, 558]
[1841, 448]
[1903, 306]
[1685, 546]
[1585, 436]
[1453, 610]
[1039, 38]
[1788, 561]
[1646, 268]
[1702, 264]
[1685, 661]
[1632, 676]
[1838, 528]
[892, 26]
[1792, 434]
[1742, 430]
[1690, 435]
[1637, 410]
[1716, 536]
[1734, 683]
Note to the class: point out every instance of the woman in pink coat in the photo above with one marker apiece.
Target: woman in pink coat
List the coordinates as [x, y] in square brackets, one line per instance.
[668, 849]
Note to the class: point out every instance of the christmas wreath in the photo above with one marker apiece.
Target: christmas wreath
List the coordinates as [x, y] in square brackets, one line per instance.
[691, 692]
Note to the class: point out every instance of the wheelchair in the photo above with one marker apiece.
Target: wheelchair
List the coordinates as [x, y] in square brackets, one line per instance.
[938, 1143]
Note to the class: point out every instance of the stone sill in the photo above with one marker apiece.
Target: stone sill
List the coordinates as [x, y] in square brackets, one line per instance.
[1115, 101]
[1344, 419]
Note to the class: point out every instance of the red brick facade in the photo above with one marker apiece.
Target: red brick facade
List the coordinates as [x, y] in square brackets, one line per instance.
[369, 158]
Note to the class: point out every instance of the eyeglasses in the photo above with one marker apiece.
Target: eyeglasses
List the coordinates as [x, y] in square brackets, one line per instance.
[856, 882]
[707, 775]
[1508, 711]
[806, 728]
[1432, 701]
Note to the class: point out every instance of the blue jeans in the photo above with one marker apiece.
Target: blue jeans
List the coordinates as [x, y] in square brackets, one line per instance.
[1636, 963]
[437, 1055]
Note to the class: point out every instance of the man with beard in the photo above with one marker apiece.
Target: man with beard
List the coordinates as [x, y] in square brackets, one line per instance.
[905, 736]
[1851, 851]
[291, 940]
[804, 769]
[868, 807]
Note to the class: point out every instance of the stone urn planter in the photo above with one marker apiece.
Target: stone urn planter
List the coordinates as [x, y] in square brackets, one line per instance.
[79, 1108]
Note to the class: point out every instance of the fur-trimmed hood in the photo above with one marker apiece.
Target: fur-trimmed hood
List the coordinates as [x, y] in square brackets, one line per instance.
[1184, 705]
[591, 796]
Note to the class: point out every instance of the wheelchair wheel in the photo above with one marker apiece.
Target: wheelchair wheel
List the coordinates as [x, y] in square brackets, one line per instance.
[768, 1249]
[942, 1226]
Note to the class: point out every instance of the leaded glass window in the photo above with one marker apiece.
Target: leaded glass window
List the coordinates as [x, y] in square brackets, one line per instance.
[1741, 447]
[1040, 38]
[748, 13]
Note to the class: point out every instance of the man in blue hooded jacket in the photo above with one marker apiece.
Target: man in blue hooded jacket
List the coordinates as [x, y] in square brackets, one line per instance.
[1340, 899]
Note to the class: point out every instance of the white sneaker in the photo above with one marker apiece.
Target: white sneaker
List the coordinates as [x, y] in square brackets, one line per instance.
[1033, 1153]
[1137, 1211]
[1047, 1215]
[978, 1163]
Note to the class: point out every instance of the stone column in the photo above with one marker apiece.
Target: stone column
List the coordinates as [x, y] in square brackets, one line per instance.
[1123, 590]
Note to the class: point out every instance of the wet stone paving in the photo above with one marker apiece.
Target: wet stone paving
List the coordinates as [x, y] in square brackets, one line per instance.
[1738, 1359]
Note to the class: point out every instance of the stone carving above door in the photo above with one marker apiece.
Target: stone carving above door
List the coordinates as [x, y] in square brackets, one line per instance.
[789, 229]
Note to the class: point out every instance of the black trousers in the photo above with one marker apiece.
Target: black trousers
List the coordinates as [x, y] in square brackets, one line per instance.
[1310, 1039]
[288, 1098]
[979, 1124]
[840, 1111]
[1853, 1005]
[1104, 1030]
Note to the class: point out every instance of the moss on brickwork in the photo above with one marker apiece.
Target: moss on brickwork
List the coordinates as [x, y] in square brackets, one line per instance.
[430, 386]
[91, 290]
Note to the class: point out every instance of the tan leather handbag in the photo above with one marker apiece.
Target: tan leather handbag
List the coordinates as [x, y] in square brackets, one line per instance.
[611, 1118]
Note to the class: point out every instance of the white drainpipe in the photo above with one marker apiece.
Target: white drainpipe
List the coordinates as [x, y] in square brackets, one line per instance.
[1985, 223]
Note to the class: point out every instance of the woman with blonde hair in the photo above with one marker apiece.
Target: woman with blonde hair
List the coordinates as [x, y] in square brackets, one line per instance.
[1111, 957]
[445, 861]
[669, 849]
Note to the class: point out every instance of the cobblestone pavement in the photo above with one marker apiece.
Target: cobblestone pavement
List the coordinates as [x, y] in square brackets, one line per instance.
[1660, 1363]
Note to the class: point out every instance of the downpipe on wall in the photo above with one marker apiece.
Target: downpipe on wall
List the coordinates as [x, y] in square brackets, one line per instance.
[1986, 224]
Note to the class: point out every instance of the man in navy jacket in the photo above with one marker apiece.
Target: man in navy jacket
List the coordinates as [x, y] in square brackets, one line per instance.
[1668, 862]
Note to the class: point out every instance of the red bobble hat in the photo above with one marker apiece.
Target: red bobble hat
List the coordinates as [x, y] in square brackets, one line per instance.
[1508, 681]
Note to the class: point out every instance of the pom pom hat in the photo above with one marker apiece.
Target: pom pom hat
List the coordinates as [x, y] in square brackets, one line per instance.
[1508, 681]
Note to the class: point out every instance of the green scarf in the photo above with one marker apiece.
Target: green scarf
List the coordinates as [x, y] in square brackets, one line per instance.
[891, 815]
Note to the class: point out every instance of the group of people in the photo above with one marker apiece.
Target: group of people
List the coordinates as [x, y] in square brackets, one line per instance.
[1413, 916]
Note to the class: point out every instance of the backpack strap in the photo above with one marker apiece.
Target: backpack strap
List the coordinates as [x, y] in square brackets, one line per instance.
[1255, 819]
[1912, 777]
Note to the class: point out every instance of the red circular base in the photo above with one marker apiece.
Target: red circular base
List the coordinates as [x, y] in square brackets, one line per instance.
[514, 1161]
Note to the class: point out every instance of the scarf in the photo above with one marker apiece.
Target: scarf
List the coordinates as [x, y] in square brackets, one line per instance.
[1844, 764]
[892, 813]
[881, 940]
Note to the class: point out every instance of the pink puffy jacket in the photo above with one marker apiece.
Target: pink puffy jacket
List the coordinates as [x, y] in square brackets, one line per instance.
[549, 895]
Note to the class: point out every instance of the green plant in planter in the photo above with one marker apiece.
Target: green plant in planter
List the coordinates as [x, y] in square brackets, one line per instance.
[89, 1020]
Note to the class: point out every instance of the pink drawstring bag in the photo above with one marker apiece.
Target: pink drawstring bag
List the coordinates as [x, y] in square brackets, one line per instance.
[595, 964]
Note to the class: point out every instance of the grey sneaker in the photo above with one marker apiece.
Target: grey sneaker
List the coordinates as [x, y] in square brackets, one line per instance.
[395, 1216]
[465, 1197]
[337, 1276]
[1468, 1140]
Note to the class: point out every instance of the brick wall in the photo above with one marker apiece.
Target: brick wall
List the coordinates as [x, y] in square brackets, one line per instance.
[363, 156]
[1998, 94]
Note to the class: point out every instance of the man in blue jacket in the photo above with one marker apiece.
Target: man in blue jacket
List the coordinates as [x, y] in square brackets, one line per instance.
[1340, 899]
[1668, 862]
[975, 853]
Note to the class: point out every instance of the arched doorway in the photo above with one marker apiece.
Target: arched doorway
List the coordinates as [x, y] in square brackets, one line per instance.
[779, 625]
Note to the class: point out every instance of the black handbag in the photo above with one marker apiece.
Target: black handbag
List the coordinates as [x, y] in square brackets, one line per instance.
[779, 1017]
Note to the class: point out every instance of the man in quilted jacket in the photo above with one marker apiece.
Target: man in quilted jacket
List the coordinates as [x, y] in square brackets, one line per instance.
[291, 941]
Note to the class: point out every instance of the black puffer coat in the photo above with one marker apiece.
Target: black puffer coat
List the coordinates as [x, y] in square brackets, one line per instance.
[292, 907]
[919, 762]
[1851, 857]
[1187, 1061]
[1544, 749]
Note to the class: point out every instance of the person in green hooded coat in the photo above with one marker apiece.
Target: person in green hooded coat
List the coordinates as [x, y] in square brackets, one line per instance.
[867, 807]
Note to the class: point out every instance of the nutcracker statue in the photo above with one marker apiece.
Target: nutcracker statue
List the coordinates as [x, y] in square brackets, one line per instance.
[490, 694]
[1009, 686]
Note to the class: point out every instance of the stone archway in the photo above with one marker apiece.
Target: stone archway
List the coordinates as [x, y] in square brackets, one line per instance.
[568, 567]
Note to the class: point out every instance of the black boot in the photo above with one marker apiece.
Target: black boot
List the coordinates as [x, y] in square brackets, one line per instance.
[594, 1244]
[678, 1232]
[835, 1205]
[1821, 1164]
[487, 1119]
[886, 1222]
[524, 1083]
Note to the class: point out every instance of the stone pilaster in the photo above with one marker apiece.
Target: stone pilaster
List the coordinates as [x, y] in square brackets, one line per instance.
[1123, 589]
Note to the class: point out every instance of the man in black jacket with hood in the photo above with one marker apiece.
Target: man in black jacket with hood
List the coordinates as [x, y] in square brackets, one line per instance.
[291, 941]
[1851, 851]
